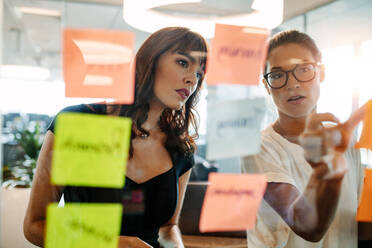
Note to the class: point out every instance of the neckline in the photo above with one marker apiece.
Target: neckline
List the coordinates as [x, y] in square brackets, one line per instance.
[300, 150]
[151, 179]
[278, 136]
[280, 130]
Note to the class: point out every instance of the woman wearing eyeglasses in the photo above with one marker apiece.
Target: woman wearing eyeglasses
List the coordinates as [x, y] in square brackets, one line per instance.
[314, 179]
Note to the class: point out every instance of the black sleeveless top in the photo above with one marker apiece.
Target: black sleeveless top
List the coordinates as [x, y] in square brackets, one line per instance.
[146, 206]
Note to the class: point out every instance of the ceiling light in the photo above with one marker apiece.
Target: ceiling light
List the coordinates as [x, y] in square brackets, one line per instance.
[40, 11]
[202, 15]
[23, 72]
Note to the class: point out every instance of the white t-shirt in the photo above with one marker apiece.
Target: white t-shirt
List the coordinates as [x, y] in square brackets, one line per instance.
[283, 162]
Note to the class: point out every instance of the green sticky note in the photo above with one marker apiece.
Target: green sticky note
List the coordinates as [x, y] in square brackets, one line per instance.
[83, 225]
[90, 150]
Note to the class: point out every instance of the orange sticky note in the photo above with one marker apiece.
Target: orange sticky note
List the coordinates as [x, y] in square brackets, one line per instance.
[99, 64]
[231, 202]
[237, 56]
[365, 205]
[365, 140]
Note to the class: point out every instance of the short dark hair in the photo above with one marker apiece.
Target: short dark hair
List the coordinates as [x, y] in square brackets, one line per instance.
[296, 37]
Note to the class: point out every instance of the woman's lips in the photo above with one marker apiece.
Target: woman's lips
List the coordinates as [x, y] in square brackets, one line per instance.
[184, 93]
[298, 99]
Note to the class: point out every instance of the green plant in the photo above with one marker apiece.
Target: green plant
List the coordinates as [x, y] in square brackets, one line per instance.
[30, 141]
[20, 173]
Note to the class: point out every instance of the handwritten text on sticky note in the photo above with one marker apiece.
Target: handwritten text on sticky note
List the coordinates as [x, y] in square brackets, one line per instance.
[79, 225]
[233, 128]
[237, 55]
[231, 202]
[90, 150]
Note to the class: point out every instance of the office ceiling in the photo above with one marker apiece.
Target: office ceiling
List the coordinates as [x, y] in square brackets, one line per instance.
[36, 40]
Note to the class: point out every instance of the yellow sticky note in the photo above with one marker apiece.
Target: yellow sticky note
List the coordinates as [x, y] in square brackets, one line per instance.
[83, 225]
[90, 150]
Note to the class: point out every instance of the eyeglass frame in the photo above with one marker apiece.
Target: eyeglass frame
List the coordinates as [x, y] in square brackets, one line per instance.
[315, 64]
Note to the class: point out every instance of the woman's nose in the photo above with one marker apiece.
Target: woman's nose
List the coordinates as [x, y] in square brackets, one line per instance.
[192, 77]
[292, 81]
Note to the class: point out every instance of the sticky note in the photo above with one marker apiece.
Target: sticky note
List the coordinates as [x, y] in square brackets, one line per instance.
[365, 140]
[99, 64]
[231, 202]
[364, 213]
[237, 55]
[79, 225]
[90, 150]
[233, 127]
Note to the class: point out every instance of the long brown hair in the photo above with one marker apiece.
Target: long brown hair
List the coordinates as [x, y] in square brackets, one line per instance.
[174, 123]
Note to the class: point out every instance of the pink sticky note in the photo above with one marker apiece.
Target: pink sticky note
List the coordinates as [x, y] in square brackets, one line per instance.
[99, 64]
[237, 56]
[231, 202]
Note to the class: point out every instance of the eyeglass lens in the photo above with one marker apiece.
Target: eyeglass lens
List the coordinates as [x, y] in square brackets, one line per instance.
[302, 73]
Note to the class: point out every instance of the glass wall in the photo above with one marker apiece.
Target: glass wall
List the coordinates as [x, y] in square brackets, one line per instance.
[32, 88]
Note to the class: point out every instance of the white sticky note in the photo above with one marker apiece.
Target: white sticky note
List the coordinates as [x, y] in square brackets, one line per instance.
[233, 128]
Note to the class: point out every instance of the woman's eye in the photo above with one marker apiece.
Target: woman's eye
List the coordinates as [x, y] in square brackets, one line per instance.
[199, 75]
[276, 75]
[305, 68]
[183, 62]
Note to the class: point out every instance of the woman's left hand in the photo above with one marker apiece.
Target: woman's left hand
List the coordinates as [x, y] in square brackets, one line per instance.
[170, 237]
[169, 244]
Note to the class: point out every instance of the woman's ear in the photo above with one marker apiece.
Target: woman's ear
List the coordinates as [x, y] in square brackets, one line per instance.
[266, 86]
[322, 72]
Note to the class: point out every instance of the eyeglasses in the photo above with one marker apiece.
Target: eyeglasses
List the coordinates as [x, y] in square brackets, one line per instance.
[302, 73]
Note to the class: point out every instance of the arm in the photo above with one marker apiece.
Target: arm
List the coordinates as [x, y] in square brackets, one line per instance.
[42, 193]
[308, 214]
[132, 242]
[169, 234]
[364, 228]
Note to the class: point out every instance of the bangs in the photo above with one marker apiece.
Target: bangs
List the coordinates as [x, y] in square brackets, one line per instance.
[194, 44]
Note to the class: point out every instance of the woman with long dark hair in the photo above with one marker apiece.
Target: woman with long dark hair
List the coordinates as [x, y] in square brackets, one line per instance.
[170, 67]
